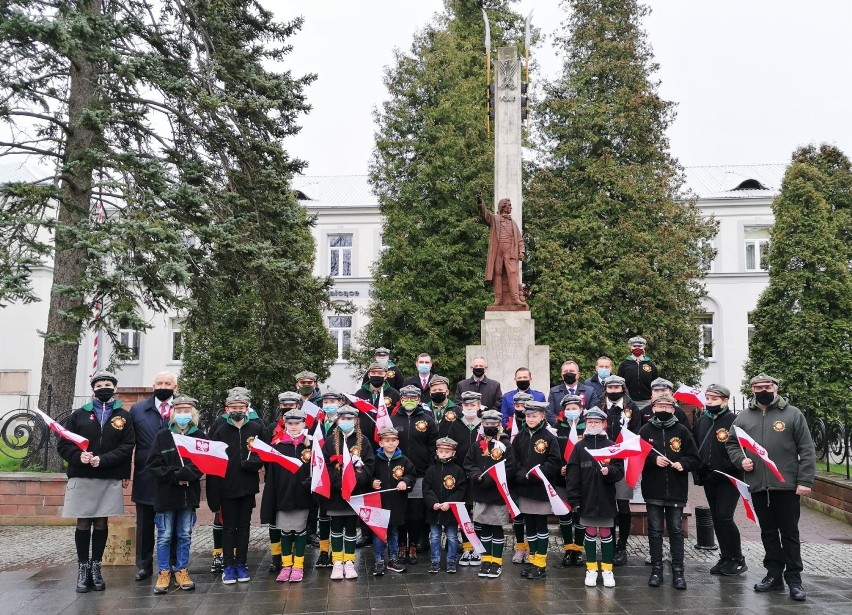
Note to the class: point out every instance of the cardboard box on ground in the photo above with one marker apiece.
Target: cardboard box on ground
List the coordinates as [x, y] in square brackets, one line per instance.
[121, 542]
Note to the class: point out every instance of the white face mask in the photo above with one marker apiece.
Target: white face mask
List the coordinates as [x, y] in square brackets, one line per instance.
[594, 431]
[469, 412]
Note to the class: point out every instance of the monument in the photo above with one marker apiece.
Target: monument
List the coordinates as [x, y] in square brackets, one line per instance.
[507, 329]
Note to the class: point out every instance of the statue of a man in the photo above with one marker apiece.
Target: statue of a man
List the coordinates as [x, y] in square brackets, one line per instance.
[505, 251]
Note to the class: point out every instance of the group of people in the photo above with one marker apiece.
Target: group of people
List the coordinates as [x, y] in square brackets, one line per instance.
[434, 464]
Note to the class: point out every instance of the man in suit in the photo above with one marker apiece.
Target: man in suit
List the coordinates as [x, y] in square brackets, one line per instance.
[570, 386]
[492, 395]
[149, 417]
[523, 378]
[423, 377]
[603, 370]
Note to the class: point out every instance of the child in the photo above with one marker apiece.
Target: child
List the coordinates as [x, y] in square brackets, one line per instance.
[331, 401]
[467, 435]
[572, 530]
[393, 471]
[343, 518]
[489, 509]
[445, 481]
[590, 487]
[235, 493]
[665, 485]
[177, 495]
[517, 422]
[287, 495]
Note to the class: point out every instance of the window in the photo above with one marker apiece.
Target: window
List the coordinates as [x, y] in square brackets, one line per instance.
[131, 339]
[340, 256]
[705, 336]
[177, 339]
[340, 328]
[750, 327]
[382, 245]
[756, 248]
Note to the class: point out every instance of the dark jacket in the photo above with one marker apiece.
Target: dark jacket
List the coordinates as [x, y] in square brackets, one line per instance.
[667, 485]
[585, 486]
[638, 374]
[444, 482]
[540, 447]
[481, 456]
[390, 472]
[647, 413]
[563, 431]
[241, 477]
[415, 381]
[333, 453]
[554, 398]
[167, 469]
[394, 378]
[252, 417]
[594, 383]
[368, 419]
[147, 423]
[113, 443]
[417, 435]
[492, 394]
[282, 489]
[711, 433]
[507, 406]
[615, 415]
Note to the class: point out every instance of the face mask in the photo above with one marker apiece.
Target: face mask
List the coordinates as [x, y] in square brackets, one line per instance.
[104, 395]
[479, 372]
[614, 396]
[330, 410]
[346, 426]
[183, 420]
[764, 397]
[603, 373]
[523, 385]
[637, 352]
[409, 405]
[520, 415]
[163, 394]
[572, 415]
[377, 381]
[438, 397]
[237, 416]
[306, 390]
[491, 432]
[383, 362]
[469, 412]
[714, 409]
[447, 460]
[593, 431]
[424, 368]
[663, 416]
[569, 378]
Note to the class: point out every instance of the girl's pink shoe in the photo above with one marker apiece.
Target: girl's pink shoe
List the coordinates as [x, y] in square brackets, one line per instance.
[296, 575]
[285, 575]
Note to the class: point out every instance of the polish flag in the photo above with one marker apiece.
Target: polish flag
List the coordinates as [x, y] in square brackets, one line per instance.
[57, 428]
[369, 508]
[633, 466]
[691, 396]
[498, 473]
[573, 438]
[312, 413]
[361, 404]
[556, 504]
[349, 481]
[747, 442]
[320, 481]
[514, 431]
[269, 454]
[631, 447]
[383, 420]
[748, 505]
[466, 525]
[209, 456]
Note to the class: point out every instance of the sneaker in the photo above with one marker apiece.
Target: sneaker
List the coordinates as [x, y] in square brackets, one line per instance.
[526, 570]
[464, 560]
[229, 575]
[451, 568]
[608, 578]
[494, 571]
[324, 560]
[284, 575]
[218, 564]
[483, 571]
[412, 555]
[434, 568]
[379, 568]
[336, 571]
[297, 575]
[537, 573]
[243, 573]
[183, 580]
[734, 567]
[520, 557]
[717, 567]
[591, 578]
[566, 559]
[349, 571]
[620, 557]
[475, 559]
[396, 565]
[164, 579]
[275, 565]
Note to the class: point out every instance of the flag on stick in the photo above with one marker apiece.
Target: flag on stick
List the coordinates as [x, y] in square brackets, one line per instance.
[313, 413]
[630, 447]
[556, 504]
[369, 508]
[692, 396]
[466, 525]
[209, 456]
[269, 454]
[383, 420]
[348, 479]
[57, 428]
[514, 431]
[573, 438]
[748, 505]
[633, 466]
[747, 442]
[361, 404]
[498, 473]
[320, 481]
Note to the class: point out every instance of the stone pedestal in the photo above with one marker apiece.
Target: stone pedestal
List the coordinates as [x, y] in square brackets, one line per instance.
[508, 342]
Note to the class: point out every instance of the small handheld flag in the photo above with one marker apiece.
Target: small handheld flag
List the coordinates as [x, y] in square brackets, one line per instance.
[747, 442]
[57, 428]
[369, 508]
[270, 455]
[466, 525]
[558, 507]
[209, 456]
[745, 494]
[320, 481]
[498, 473]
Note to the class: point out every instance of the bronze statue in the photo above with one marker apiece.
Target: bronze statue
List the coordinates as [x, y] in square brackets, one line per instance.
[505, 251]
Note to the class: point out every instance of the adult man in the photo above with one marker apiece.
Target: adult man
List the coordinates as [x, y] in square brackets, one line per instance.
[423, 377]
[505, 250]
[439, 401]
[393, 374]
[523, 378]
[570, 386]
[780, 428]
[638, 372]
[372, 390]
[306, 386]
[492, 395]
[149, 417]
[603, 370]
[660, 387]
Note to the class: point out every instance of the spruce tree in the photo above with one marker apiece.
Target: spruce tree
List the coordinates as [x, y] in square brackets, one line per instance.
[612, 251]
[432, 156]
[803, 320]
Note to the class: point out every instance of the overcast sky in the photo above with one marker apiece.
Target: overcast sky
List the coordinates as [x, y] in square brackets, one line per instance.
[753, 79]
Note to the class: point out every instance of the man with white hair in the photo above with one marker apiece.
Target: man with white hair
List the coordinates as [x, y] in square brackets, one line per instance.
[149, 417]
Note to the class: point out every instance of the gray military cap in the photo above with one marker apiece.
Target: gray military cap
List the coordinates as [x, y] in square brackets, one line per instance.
[289, 397]
[103, 375]
[388, 431]
[295, 414]
[535, 406]
[184, 400]
[469, 396]
[306, 375]
[718, 389]
[492, 415]
[662, 383]
[381, 351]
[522, 398]
[763, 377]
[409, 391]
[439, 380]
[571, 399]
[614, 380]
[637, 341]
[346, 411]
[448, 442]
[237, 397]
[375, 365]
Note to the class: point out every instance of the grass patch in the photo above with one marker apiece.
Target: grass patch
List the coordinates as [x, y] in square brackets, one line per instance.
[835, 468]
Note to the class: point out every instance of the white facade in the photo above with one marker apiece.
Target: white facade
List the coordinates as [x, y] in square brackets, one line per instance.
[348, 237]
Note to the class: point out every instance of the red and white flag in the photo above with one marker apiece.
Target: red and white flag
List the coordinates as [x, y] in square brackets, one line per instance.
[514, 430]
[633, 466]
[313, 413]
[57, 428]
[747, 442]
[320, 481]
[348, 479]
[383, 419]
[557, 505]
[745, 494]
[573, 438]
[361, 404]
[269, 454]
[209, 456]
[369, 508]
[498, 473]
[631, 447]
[466, 525]
[692, 396]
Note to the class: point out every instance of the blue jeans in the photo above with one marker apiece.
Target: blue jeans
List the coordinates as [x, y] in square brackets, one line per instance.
[178, 521]
[393, 545]
[452, 532]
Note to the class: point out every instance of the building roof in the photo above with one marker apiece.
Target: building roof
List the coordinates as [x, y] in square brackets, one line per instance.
[334, 191]
[747, 181]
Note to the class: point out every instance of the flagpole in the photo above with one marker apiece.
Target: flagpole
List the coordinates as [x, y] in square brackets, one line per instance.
[487, 67]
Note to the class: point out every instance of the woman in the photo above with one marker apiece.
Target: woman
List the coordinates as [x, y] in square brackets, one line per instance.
[96, 476]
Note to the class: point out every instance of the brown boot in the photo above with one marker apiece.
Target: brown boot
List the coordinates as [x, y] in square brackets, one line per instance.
[164, 579]
[182, 578]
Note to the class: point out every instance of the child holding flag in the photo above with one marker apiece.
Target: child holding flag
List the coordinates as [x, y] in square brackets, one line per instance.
[331, 401]
[445, 482]
[514, 425]
[570, 424]
[665, 485]
[590, 488]
[393, 471]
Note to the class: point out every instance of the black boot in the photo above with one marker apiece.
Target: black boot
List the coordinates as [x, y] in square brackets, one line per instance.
[275, 564]
[656, 578]
[97, 580]
[83, 577]
[678, 580]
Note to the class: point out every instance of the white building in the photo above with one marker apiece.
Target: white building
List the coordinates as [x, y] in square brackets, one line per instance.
[348, 235]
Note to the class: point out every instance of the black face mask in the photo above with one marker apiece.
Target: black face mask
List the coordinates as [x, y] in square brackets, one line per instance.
[614, 396]
[479, 372]
[491, 431]
[520, 416]
[523, 385]
[438, 397]
[569, 378]
[713, 409]
[104, 395]
[764, 398]
[237, 416]
[163, 394]
[377, 381]
[663, 416]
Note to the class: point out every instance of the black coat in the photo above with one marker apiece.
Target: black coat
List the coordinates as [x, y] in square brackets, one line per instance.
[667, 484]
[241, 477]
[554, 398]
[147, 423]
[710, 435]
[444, 482]
[482, 456]
[492, 394]
[415, 381]
[167, 469]
[282, 489]
[615, 415]
[585, 486]
[638, 375]
[531, 449]
[390, 472]
[332, 451]
[113, 443]
[452, 426]
[417, 435]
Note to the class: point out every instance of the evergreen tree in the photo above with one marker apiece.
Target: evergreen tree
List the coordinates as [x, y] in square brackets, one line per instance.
[803, 320]
[612, 252]
[432, 156]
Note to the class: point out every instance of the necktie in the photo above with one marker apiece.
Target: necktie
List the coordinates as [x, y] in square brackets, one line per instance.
[425, 380]
[164, 410]
[571, 391]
